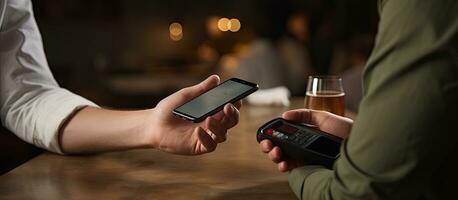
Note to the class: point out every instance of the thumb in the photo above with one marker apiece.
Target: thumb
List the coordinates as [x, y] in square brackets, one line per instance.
[307, 116]
[188, 93]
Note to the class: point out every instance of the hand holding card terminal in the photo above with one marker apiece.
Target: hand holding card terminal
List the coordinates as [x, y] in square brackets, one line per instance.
[302, 143]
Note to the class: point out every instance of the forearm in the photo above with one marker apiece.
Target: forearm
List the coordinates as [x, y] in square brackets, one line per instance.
[310, 182]
[96, 130]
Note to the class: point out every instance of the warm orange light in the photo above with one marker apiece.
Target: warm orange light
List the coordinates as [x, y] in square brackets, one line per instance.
[224, 24]
[212, 26]
[229, 63]
[176, 31]
[234, 25]
[176, 37]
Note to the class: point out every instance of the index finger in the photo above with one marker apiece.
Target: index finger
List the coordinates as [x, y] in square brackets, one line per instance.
[266, 146]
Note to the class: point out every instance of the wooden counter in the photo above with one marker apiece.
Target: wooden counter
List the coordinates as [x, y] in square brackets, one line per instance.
[236, 170]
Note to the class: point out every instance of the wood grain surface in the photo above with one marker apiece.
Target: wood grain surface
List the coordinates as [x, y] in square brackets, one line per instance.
[236, 170]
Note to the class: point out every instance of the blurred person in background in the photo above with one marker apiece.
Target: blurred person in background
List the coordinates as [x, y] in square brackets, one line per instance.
[277, 55]
[293, 49]
[403, 143]
[40, 112]
[262, 64]
[358, 52]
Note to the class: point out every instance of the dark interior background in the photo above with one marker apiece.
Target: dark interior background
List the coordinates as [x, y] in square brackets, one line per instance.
[89, 43]
[118, 52]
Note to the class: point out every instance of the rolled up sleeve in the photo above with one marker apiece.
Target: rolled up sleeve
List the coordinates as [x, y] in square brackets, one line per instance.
[33, 106]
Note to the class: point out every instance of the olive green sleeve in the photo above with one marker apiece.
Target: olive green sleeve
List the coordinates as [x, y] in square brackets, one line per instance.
[406, 128]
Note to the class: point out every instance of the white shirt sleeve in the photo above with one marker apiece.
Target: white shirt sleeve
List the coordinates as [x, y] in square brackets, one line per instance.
[32, 105]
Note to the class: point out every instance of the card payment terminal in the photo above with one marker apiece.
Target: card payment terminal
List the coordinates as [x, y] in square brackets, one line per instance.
[300, 142]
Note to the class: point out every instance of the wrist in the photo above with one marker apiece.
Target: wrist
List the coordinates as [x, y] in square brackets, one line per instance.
[148, 137]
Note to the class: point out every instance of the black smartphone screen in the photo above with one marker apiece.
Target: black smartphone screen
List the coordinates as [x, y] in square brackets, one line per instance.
[213, 100]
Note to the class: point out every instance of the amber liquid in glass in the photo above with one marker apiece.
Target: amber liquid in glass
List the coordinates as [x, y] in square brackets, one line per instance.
[331, 101]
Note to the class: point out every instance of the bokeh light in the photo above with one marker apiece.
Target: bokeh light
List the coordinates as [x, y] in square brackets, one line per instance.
[175, 31]
[234, 25]
[224, 24]
[212, 26]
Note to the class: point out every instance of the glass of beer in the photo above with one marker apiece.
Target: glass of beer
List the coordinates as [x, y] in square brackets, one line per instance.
[325, 93]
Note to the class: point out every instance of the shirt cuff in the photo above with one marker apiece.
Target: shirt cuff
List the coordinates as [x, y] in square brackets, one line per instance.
[65, 104]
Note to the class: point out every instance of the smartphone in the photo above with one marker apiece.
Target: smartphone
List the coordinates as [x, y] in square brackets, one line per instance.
[301, 142]
[213, 101]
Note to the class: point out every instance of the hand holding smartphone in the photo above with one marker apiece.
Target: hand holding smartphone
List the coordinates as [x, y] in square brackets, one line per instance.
[213, 101]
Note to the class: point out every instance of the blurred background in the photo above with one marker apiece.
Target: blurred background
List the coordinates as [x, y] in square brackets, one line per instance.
[131, 54]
